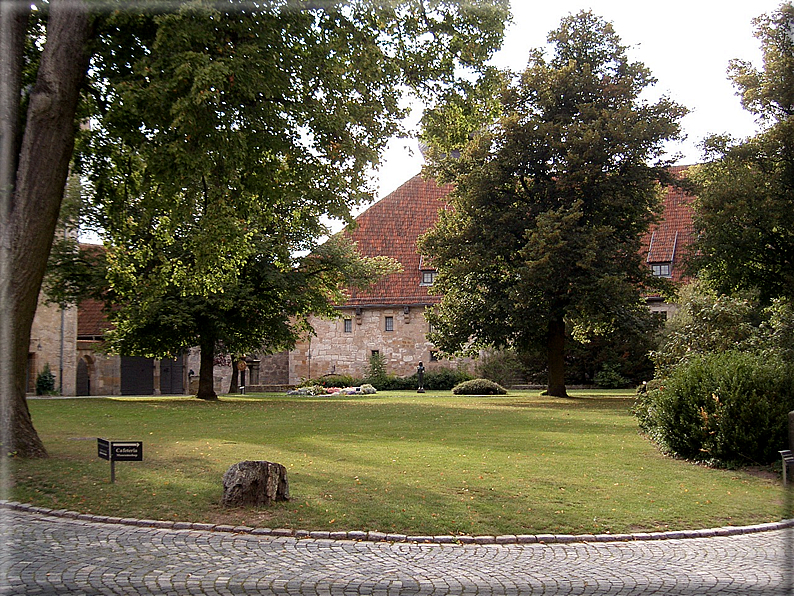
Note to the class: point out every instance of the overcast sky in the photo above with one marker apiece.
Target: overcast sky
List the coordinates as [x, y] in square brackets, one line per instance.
[686, 44]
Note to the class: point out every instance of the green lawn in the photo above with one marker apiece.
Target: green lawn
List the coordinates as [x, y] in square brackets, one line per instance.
[391, 462]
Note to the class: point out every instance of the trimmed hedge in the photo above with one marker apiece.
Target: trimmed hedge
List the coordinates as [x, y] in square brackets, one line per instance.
[727, 408]
[335, 381]
[442, 379]
[479, 387]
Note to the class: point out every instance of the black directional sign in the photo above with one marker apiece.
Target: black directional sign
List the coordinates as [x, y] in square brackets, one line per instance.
[120, 450]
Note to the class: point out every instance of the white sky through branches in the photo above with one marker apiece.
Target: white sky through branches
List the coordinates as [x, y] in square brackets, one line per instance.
[686, 44]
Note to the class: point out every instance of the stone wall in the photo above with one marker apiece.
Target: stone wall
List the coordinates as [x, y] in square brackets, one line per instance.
[336, 351]
[104, 371]
[274, 369]
[53, 341]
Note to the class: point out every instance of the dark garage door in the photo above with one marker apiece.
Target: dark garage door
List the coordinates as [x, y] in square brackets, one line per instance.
[171, 375]
[137, 375]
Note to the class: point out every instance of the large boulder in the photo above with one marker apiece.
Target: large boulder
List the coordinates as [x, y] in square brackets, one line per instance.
[254, 483]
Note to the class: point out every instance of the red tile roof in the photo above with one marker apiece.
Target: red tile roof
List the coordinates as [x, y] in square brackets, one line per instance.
[91, 321]
[391, 227]
[668, 240]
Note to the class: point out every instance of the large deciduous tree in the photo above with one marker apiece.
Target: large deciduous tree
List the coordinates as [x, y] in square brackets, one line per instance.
[38, 131]
[217, 151]
[551, 199]
[319, 83]
[745, 207]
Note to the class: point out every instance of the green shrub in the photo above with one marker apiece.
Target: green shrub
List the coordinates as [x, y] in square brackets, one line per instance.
[394, 383]
[503, 367]
[724, 408]
[45, 381]
[479, 387]
[375, 374]
[609, 377]
[335, 381]
[444, 379]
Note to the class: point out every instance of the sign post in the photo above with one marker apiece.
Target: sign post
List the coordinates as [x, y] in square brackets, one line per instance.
[119, 451]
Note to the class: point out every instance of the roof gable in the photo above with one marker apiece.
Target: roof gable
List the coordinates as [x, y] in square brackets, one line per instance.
[391, 227]
[668, 240]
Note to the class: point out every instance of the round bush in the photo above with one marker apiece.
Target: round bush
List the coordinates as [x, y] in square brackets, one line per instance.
[478, 387]
[725, 408]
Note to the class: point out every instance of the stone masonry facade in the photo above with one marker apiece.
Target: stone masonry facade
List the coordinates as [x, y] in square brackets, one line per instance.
[399, 334]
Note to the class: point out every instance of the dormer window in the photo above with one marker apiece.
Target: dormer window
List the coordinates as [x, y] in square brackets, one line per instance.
[426, 271]
[428, 277]
[662, 269]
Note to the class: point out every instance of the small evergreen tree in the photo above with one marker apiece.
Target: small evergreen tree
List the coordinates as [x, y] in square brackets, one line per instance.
[375, 373]
[45, 381]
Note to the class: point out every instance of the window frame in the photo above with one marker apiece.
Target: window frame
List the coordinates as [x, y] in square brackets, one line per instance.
[662, 269]
[432, 273]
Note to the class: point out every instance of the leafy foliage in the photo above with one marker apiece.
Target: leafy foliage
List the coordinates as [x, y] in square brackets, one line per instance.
[375, 373]
[610, 378]
[479, 387]
[744, 214]
[45, 381]
[725, 408]
[503, 367]
[551, 200]
[334, 381]
[222, 137]
[708, 322]
[434, 380]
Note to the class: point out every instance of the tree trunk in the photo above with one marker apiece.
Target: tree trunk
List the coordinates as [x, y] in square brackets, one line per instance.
[32, 200]
[206, 389]
[556, 356]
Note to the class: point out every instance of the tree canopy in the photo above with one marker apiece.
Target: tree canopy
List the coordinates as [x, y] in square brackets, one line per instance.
[551, 199]
[745, 188]
[212, 123]
[232, 133]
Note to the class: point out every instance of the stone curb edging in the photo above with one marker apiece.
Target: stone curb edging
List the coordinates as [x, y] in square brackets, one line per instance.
[385, 537]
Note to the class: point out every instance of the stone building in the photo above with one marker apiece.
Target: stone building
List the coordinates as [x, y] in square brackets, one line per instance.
[98, 373]
[53, 345]
[388, 319]
[667, 243]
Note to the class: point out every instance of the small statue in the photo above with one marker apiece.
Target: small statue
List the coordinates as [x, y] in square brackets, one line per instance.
[420, 375]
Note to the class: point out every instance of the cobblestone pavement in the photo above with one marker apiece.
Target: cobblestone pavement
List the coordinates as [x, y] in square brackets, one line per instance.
[43, 554]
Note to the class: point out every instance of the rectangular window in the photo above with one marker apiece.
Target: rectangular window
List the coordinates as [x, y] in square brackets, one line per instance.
[661, 269]
[433, 356]
[389, 324]
[428, 277]
[348, 325]
[375, 353]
